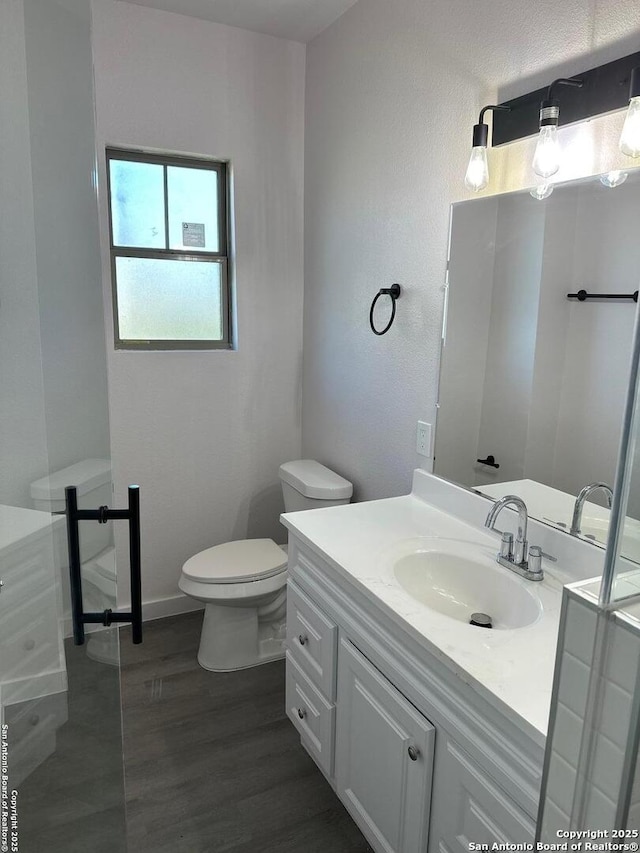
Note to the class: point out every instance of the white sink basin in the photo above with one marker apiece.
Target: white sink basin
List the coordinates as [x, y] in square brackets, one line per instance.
[459, 578]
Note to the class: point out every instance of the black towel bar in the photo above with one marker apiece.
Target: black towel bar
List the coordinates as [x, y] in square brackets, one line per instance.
[583, 296]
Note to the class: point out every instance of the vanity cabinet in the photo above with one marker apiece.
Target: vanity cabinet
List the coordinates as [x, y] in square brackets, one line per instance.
[384, 756]
[469, 807]
[422, 763]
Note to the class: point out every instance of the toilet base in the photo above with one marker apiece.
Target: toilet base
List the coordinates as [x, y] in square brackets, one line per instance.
[235, 638]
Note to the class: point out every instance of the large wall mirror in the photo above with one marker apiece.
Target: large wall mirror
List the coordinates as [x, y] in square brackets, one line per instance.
[533, 381]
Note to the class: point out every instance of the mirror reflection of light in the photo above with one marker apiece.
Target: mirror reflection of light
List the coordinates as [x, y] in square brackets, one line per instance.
[614, 179]
[542, 191]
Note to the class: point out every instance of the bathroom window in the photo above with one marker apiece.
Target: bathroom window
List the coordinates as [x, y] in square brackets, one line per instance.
[169, 251]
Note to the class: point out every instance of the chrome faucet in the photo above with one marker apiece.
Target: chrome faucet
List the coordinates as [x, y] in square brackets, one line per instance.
[525, 561]
[576, 521]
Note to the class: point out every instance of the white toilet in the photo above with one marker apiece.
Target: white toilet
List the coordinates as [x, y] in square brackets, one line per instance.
[92, 478]
[243, 583]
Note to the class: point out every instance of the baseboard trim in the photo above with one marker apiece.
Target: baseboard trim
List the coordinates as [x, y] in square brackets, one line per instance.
[172, 606]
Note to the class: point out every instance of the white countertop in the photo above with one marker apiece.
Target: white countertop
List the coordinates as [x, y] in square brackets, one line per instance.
[511, 668]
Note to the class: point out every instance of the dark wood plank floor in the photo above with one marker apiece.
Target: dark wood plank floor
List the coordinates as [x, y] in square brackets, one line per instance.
[74, 801]
[212, 764]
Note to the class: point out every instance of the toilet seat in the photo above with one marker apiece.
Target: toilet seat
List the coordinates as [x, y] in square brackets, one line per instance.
[238, 562]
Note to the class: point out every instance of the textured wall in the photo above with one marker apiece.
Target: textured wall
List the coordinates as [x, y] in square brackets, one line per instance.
[203, 433]
[392, 92]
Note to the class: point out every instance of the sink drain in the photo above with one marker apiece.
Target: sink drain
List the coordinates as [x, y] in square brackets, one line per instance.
[481, 620]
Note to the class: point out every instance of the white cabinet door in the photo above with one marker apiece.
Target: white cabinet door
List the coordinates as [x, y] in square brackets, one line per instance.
[469, 807]
[384, 757]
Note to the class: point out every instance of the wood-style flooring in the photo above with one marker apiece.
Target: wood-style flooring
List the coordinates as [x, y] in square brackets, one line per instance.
[74, 801]
[212, 764]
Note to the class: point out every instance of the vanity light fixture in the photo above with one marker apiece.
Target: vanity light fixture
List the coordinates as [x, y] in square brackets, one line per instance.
[630, 136]
[614, 179]
[604, 89]
[546, 160]
[477, 176]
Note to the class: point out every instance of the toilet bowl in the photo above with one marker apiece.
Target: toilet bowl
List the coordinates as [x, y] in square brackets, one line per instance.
[243, 583]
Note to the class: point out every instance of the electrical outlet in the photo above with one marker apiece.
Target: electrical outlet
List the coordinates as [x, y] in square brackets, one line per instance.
[423, 439]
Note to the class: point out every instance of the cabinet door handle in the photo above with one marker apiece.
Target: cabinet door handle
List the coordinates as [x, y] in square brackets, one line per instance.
[302, 713]
[302, 639]
[414, 752]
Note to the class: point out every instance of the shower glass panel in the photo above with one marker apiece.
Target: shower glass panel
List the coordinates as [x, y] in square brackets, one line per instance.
[60, 703]
[621, 578]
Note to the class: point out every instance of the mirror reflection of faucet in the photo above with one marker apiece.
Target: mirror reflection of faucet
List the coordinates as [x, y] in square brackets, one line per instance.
[520, 558]
[578, 508]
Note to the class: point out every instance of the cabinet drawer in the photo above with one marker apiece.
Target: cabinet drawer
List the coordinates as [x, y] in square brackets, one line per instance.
[312, 640]
[311, 714]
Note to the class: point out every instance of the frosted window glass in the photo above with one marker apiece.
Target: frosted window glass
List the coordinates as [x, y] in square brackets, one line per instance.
[137, 204]
[169, 300]
[193, 209]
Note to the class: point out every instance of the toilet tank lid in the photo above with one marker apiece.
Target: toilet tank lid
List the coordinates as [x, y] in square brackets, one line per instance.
[313, 480]
[85, 475]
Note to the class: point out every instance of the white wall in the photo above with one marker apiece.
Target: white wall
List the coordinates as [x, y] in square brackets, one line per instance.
[393, 90]
[203, 433]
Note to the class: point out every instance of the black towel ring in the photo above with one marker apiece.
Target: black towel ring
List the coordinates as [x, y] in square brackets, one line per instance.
[394, 292]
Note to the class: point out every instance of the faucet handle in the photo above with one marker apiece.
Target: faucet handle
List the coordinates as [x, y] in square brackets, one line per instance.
[506, 546]
[535, 559]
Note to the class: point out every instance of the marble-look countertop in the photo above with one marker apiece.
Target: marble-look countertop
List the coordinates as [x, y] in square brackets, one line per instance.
[511, 668]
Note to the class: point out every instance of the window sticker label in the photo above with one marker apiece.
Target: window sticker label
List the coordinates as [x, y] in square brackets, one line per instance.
[193, 234]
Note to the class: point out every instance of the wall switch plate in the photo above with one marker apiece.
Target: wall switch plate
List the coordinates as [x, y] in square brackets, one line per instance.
[423, 439]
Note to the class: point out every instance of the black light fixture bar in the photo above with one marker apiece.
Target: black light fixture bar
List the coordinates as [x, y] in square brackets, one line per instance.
[603, 90]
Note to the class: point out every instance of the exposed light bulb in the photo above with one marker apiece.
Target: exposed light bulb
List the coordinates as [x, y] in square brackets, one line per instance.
[614, 179]
[542, 191]
[630, 136]
[477, 177]
[546, 160]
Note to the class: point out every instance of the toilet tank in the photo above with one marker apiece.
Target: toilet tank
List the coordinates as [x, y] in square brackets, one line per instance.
[92, 479]
[306, 484]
